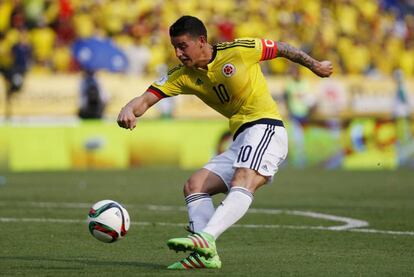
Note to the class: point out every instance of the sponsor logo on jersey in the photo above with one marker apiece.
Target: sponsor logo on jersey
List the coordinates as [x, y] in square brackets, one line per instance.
[162, 80]
[228, 70]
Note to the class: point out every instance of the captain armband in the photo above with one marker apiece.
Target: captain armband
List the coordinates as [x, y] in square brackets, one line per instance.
[269, 49]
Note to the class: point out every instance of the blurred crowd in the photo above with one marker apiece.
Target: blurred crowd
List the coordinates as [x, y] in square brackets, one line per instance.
[367, 37]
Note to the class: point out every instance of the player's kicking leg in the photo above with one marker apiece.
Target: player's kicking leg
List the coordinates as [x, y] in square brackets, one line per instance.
[256, 155]
[233, 208]
[198, 190]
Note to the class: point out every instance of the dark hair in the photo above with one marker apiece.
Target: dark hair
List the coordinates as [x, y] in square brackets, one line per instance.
[188, 25]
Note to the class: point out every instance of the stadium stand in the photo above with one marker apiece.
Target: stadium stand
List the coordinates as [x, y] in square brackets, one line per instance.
[361, 37]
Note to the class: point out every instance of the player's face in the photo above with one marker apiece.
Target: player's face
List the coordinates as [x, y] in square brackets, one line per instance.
[187, 49]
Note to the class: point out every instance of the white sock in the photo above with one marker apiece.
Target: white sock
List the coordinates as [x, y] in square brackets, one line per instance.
[200, 210]
[233, 207]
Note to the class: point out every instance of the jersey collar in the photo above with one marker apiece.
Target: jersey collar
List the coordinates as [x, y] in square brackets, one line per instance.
[210, 62]
[213, 55]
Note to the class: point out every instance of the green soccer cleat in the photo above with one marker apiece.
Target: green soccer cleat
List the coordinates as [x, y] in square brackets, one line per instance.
[202, 243]
[195, 261]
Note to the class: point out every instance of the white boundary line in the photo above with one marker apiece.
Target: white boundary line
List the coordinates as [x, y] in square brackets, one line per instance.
[348, 224]
[249, 226]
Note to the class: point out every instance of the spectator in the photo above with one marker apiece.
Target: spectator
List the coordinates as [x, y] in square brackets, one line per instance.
[92, 98]
[367, 29]
[138, 56]
[401, 113]
[401, 103]
[20, 60]
[21, 53]
[300, 104]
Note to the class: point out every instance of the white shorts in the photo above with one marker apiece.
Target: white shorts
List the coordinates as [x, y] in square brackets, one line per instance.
[261, 147]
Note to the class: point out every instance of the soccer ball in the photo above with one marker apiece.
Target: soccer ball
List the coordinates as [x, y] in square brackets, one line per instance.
[108, 221]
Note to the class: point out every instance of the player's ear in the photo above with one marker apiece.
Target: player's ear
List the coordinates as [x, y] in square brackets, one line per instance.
[202, 40]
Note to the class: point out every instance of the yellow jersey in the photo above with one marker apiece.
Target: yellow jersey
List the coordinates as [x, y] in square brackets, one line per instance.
[233, 83]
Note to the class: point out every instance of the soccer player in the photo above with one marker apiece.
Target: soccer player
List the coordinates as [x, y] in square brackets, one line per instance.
[228, 78]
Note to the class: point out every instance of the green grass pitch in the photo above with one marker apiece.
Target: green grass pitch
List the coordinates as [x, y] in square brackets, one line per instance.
[304, 224]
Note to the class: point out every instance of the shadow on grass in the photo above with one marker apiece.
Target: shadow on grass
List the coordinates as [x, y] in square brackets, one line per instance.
[80, 262]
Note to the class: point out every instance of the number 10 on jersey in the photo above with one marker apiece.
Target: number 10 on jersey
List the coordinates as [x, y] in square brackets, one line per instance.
[222, 93]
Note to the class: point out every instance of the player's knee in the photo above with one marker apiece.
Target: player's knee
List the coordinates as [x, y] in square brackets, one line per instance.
[248, 179]
[192, 186]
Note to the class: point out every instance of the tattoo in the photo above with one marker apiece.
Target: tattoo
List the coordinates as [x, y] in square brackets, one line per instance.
[298, 56]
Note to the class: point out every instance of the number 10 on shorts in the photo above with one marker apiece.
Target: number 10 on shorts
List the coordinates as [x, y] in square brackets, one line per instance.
[244, 153]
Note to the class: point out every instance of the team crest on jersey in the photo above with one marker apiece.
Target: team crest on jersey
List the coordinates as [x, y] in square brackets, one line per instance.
[228, 70]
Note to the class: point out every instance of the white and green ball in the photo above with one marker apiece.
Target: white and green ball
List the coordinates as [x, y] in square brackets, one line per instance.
[108, 221]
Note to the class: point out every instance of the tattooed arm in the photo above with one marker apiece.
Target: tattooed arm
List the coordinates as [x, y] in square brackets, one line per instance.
[322, 69]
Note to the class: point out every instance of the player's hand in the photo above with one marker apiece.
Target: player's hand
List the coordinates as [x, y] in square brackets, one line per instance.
[126, 118]
[323, 69]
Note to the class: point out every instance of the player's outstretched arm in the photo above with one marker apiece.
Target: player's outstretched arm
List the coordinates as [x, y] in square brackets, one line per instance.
[322, 69]
[127, 117]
